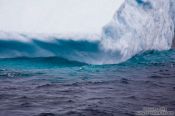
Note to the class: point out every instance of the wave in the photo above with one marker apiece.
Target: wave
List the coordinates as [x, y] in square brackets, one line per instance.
[75, 50]
[37, 63]
[149, 58]
[153, 58]
[138, 26]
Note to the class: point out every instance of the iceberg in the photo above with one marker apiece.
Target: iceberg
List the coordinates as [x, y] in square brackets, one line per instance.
[140, 25]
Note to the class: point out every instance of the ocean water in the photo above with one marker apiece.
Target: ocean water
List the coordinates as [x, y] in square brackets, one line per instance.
[53, 86]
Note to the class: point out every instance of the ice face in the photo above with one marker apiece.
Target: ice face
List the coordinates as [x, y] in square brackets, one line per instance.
[140, 25]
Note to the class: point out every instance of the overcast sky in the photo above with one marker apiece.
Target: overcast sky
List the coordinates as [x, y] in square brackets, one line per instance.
[56, 16]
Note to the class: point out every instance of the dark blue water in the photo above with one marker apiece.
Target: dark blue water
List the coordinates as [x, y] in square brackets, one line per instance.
[54, 86]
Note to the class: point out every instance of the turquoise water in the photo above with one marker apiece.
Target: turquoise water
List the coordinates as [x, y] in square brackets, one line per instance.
[149, 58]
[54, 66]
